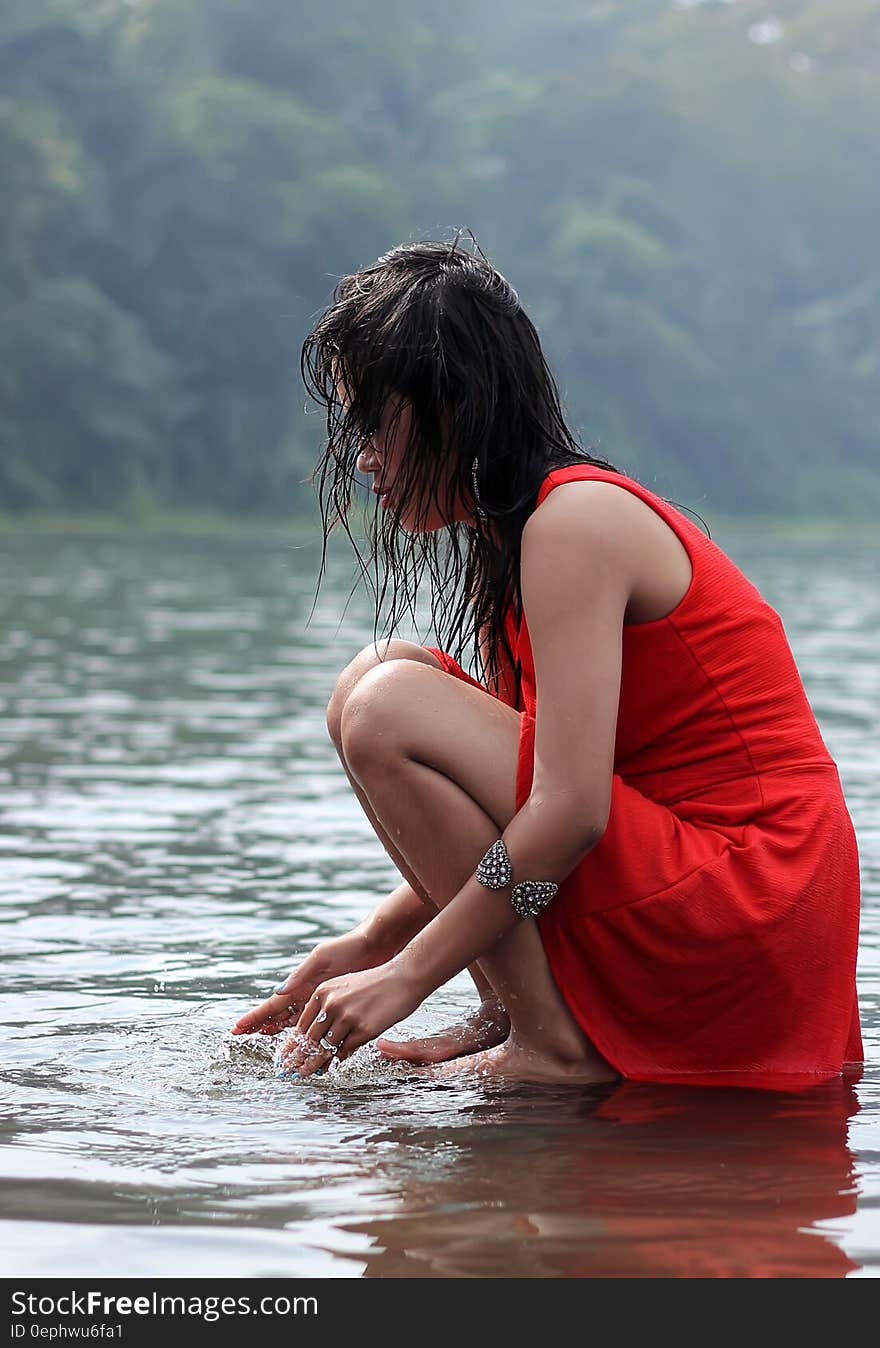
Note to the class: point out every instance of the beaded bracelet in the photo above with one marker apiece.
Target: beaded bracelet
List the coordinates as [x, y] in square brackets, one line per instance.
[495, 872]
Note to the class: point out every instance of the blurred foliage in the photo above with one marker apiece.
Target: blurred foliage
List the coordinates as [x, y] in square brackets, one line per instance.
[684, 194]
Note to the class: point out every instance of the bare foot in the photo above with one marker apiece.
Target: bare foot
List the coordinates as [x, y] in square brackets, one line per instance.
[512, 1062]
[484, 1028]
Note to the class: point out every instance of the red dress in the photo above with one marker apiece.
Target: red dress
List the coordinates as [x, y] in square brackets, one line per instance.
[711, 936]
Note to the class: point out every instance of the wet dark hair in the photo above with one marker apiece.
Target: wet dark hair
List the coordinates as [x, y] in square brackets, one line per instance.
[439, 325]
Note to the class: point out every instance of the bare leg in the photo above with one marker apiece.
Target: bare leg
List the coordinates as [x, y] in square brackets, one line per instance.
[436, 760]
[489, 1024]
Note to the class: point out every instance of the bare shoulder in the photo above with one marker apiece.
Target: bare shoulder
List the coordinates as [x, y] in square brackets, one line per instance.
[587, 520]
[589, 500]
[609, 533]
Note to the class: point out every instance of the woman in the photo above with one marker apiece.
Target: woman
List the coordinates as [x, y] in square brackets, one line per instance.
[632, 833]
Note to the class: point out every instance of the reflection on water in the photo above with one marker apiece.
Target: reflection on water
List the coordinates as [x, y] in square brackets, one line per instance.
[641, 1181]
[175, 830]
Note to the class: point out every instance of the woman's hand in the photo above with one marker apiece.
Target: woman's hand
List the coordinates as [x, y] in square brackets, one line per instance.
[338, 955]
[350, 1011]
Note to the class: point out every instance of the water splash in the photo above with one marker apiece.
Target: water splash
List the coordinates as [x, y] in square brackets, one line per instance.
[366, 1066]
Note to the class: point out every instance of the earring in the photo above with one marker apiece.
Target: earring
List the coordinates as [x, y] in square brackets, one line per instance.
[480, 511]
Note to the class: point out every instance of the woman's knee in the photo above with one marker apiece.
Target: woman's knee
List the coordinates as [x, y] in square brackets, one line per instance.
[389, 648]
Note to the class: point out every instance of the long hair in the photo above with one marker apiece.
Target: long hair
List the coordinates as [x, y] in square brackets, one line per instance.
[438, 325]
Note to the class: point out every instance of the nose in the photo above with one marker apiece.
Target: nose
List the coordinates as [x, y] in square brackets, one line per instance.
[367, 459]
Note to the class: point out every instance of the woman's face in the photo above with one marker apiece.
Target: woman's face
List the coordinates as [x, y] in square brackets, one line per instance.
[382, 454]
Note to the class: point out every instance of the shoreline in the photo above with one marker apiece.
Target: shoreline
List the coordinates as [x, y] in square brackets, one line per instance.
[304, 529]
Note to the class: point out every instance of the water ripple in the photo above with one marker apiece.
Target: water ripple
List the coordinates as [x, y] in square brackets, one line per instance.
[176, 832]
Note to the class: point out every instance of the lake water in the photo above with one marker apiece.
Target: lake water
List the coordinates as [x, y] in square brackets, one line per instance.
[176, 830]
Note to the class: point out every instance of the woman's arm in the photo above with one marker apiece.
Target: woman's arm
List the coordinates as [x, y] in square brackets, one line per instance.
[374, 941]
[395, 921]
[577, 579]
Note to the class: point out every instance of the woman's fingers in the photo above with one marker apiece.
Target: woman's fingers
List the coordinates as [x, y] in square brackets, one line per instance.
[274, 1014]
[308, 1058]
[345, 1012]
[316, 1036]
[312, 1013]
[301, 1056]
[279, 1010]
[289, 985]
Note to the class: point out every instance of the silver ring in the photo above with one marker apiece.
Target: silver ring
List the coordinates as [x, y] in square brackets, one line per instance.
[322, 1015]
[325, 1043]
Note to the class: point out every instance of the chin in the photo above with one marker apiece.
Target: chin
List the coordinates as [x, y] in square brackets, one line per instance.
[428, 523]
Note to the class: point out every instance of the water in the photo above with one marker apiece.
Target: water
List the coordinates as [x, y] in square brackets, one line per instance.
[176, 830]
